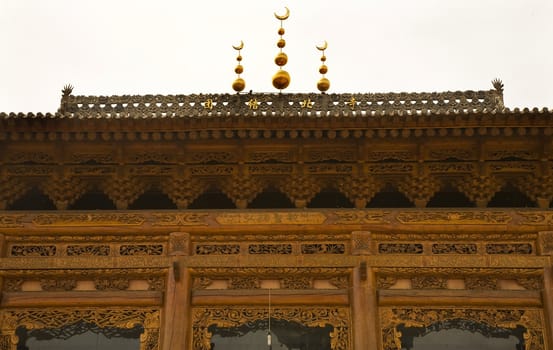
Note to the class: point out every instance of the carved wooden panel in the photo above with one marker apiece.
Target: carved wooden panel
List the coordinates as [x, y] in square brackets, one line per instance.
[68, 279]
[470, 278]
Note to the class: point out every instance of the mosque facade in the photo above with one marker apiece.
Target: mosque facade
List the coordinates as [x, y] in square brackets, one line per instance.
[372, 221]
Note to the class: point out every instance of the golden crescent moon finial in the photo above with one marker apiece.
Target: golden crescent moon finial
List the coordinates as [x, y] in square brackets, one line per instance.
[323, 47]
[283, 17]
[239, 47]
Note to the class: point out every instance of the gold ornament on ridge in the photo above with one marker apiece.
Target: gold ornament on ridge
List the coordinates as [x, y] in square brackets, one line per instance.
[285, 16]
[281, 79]
[239, 84]
[323, 84]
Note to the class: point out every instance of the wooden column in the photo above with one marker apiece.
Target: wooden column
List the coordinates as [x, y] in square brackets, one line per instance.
[366, 333]
[176, 327]
[360, 311]
[2, 246]
[545, 247]
[548, 305]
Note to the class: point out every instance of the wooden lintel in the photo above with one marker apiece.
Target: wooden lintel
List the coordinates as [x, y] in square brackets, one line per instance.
[82, 298]
[261, 297]
[459, 297]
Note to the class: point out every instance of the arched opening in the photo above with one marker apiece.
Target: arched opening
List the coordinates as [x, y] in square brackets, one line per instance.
[330, 198]
[93, 200]
[271, 198]
[152, 199]
[34, 199]
[212, 199]
[510, 197]
[390, 197]
[449, 197]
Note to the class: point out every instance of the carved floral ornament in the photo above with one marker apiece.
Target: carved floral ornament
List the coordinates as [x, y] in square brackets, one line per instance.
[538, 218]
[531, 320]
[58, 318]
[337, 317]
[287, 277]
[118, 249]
[476, 278]
[67, 280]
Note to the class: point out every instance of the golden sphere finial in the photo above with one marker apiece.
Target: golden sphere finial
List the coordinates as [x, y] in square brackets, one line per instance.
[281, 59]
[239, 84]
[281, 79]
[323, 84]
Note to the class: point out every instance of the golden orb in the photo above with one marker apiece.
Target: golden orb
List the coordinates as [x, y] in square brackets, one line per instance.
[281, 79]
[281, 59]
[238, 85]
[323, 85]
[281, 31]
[323, 69]
[239, 69]
[239, 58]
[323, 58]
[281, 43]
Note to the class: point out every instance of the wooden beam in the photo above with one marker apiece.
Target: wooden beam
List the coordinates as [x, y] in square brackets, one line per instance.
[82, 298]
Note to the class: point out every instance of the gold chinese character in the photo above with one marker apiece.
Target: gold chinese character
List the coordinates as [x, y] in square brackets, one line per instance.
[253, 104]
[307, 103]
[352, 103]
[208, 104]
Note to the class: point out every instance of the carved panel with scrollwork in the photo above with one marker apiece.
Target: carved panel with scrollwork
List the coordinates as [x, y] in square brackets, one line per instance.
[217, 249]
[454, 248]
[400, 248]
[296, 283]
[141, 249]
[88, 250]
[33, 250]
[244, 282]
[428, 282]
[270, 249]
[337, 317]
[323, 248]
[509, 248]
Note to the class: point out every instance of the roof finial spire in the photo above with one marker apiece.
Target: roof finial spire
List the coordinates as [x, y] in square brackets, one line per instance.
[239, 84]
[323, 84]
[67, 90]
[281, 79]
[65, 93]
[497, 84]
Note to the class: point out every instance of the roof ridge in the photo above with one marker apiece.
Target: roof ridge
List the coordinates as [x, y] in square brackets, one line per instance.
[285, 102]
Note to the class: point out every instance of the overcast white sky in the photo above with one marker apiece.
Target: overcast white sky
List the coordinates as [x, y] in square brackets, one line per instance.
[107, 47]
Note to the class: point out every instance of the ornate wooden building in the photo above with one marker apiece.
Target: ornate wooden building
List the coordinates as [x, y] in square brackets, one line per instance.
[342, 221]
